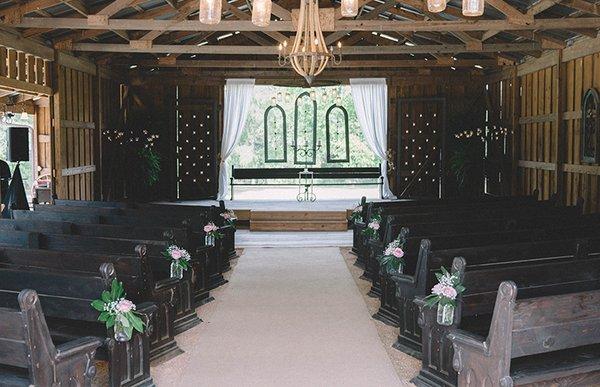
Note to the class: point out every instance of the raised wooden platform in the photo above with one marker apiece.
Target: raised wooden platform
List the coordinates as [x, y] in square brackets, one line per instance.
[298, 220]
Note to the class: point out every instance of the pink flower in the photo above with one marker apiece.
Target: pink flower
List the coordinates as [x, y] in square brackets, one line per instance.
[449, 292]
[374, 225]
[125, 306]
[209, 227]
[398, 252]
[176, 254]
[437, 289]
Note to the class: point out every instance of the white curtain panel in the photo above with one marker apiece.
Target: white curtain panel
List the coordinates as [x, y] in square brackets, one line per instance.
[238, 95]
[371, 103]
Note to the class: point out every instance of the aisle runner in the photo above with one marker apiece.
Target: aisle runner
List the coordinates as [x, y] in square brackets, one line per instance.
[290, 317]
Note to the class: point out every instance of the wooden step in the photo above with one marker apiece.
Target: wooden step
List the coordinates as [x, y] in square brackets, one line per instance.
[298, 225]
[339, 216]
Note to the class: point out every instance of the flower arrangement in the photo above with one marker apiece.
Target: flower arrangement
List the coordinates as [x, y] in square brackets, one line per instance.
[356, 215]
[212, 230]
[393, 256]
[444, 294]
[229, 218]
[179, 256]
[372, 229]
[118, 312]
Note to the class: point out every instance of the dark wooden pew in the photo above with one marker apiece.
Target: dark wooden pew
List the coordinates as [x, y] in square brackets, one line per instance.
[134, 272]
[185, 316]
[200, 256]
[215, 265]
[548, 340]
[66, 302]
[407, 287]
[27, 350]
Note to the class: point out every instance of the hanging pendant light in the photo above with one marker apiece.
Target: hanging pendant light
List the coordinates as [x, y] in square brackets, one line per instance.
[436, 6]
[349, 8]
[261, 12]
[210, 11]
[473, 8]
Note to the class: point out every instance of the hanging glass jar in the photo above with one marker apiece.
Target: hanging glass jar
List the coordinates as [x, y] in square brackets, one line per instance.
[349, 8]
[261, 12]
[209, 240]
[473, 8]
[445, 314]
[210, 11]
[436, 5]
[176, 270]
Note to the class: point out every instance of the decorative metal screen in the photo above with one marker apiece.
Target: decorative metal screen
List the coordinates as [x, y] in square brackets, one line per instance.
[305, 130]
[275, 135]
[196, 149]
[337, 135]
[590, 126]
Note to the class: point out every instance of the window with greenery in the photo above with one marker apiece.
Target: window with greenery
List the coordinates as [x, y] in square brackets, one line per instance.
[275, 135]
[338, 134]
[27, 171]
[250, 152]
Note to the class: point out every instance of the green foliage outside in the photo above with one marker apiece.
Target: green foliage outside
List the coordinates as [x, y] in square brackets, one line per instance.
[26, 166]
[250, 150]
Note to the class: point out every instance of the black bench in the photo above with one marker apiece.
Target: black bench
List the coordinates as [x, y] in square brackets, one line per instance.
[357, 173]
[27, 350]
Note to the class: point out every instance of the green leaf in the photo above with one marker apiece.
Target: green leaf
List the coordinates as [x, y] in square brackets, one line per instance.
[103, 316]
[98, 305]
[128, 331]
[106, 297]
[137, 323]
[110, 322]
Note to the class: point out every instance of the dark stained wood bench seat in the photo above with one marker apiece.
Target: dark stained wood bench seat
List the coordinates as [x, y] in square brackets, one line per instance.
[65, 300]
[25, 344]
[135, 273]
[546, 340]
[537, 278]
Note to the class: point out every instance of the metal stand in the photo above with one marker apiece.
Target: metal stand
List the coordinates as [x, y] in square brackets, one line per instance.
[306, 181]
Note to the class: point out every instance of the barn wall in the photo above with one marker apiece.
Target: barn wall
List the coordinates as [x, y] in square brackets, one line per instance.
[547, 123]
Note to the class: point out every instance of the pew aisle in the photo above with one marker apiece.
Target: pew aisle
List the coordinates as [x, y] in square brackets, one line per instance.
[289, 316]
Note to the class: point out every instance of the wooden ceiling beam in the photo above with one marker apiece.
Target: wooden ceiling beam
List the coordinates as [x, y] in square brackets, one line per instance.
[582, 6]
[272, 50]
[273, 64]
[185, 9]
[533, 10]
[241, 15]
[511, 13]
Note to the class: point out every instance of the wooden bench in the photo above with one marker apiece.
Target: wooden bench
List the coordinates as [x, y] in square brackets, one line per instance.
[66, 302]
[553, 274]
[399, 290]
[552, 340]
[135, 273]
[180, 209]
[199, 263]
[185, 316]
[27, 350]
[356, 173]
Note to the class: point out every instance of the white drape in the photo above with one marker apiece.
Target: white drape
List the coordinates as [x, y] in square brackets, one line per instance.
[371, 103]
[238, 95]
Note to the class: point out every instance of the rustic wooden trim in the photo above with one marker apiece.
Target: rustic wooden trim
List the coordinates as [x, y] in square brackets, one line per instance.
[23, 86]
[75, 63]
[538, 119]
[581, 48]
[77, 124]
[504, 73]
[572, 115]
[537, 165]
[582, 168]
[546, 60]
[78, 170]
[44, 138]
[25, 45]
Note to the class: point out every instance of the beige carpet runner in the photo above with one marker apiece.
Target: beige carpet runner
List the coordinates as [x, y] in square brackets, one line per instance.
[288, 317]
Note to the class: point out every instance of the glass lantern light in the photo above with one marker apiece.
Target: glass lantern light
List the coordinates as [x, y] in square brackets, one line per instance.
[436, 6]
[261, 12]
[349, 8]
[473, 8]
[210, 11]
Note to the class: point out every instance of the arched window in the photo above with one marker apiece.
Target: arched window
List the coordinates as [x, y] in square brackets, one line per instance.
[590, 125]
[275, 135]
[337, 134]
[305, 130]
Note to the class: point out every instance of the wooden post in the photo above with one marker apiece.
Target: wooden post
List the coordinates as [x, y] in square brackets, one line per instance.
[561, 129]
[516, 135]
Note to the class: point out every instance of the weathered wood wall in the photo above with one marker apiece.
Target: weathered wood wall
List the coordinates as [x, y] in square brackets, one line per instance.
[547, 123]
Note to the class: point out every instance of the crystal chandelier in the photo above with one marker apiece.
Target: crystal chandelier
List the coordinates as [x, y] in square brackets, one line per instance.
[309, 55]
[210, 11]
[261, 12]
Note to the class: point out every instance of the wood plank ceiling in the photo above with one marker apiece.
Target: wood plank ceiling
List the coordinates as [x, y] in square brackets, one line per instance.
[386, 34]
